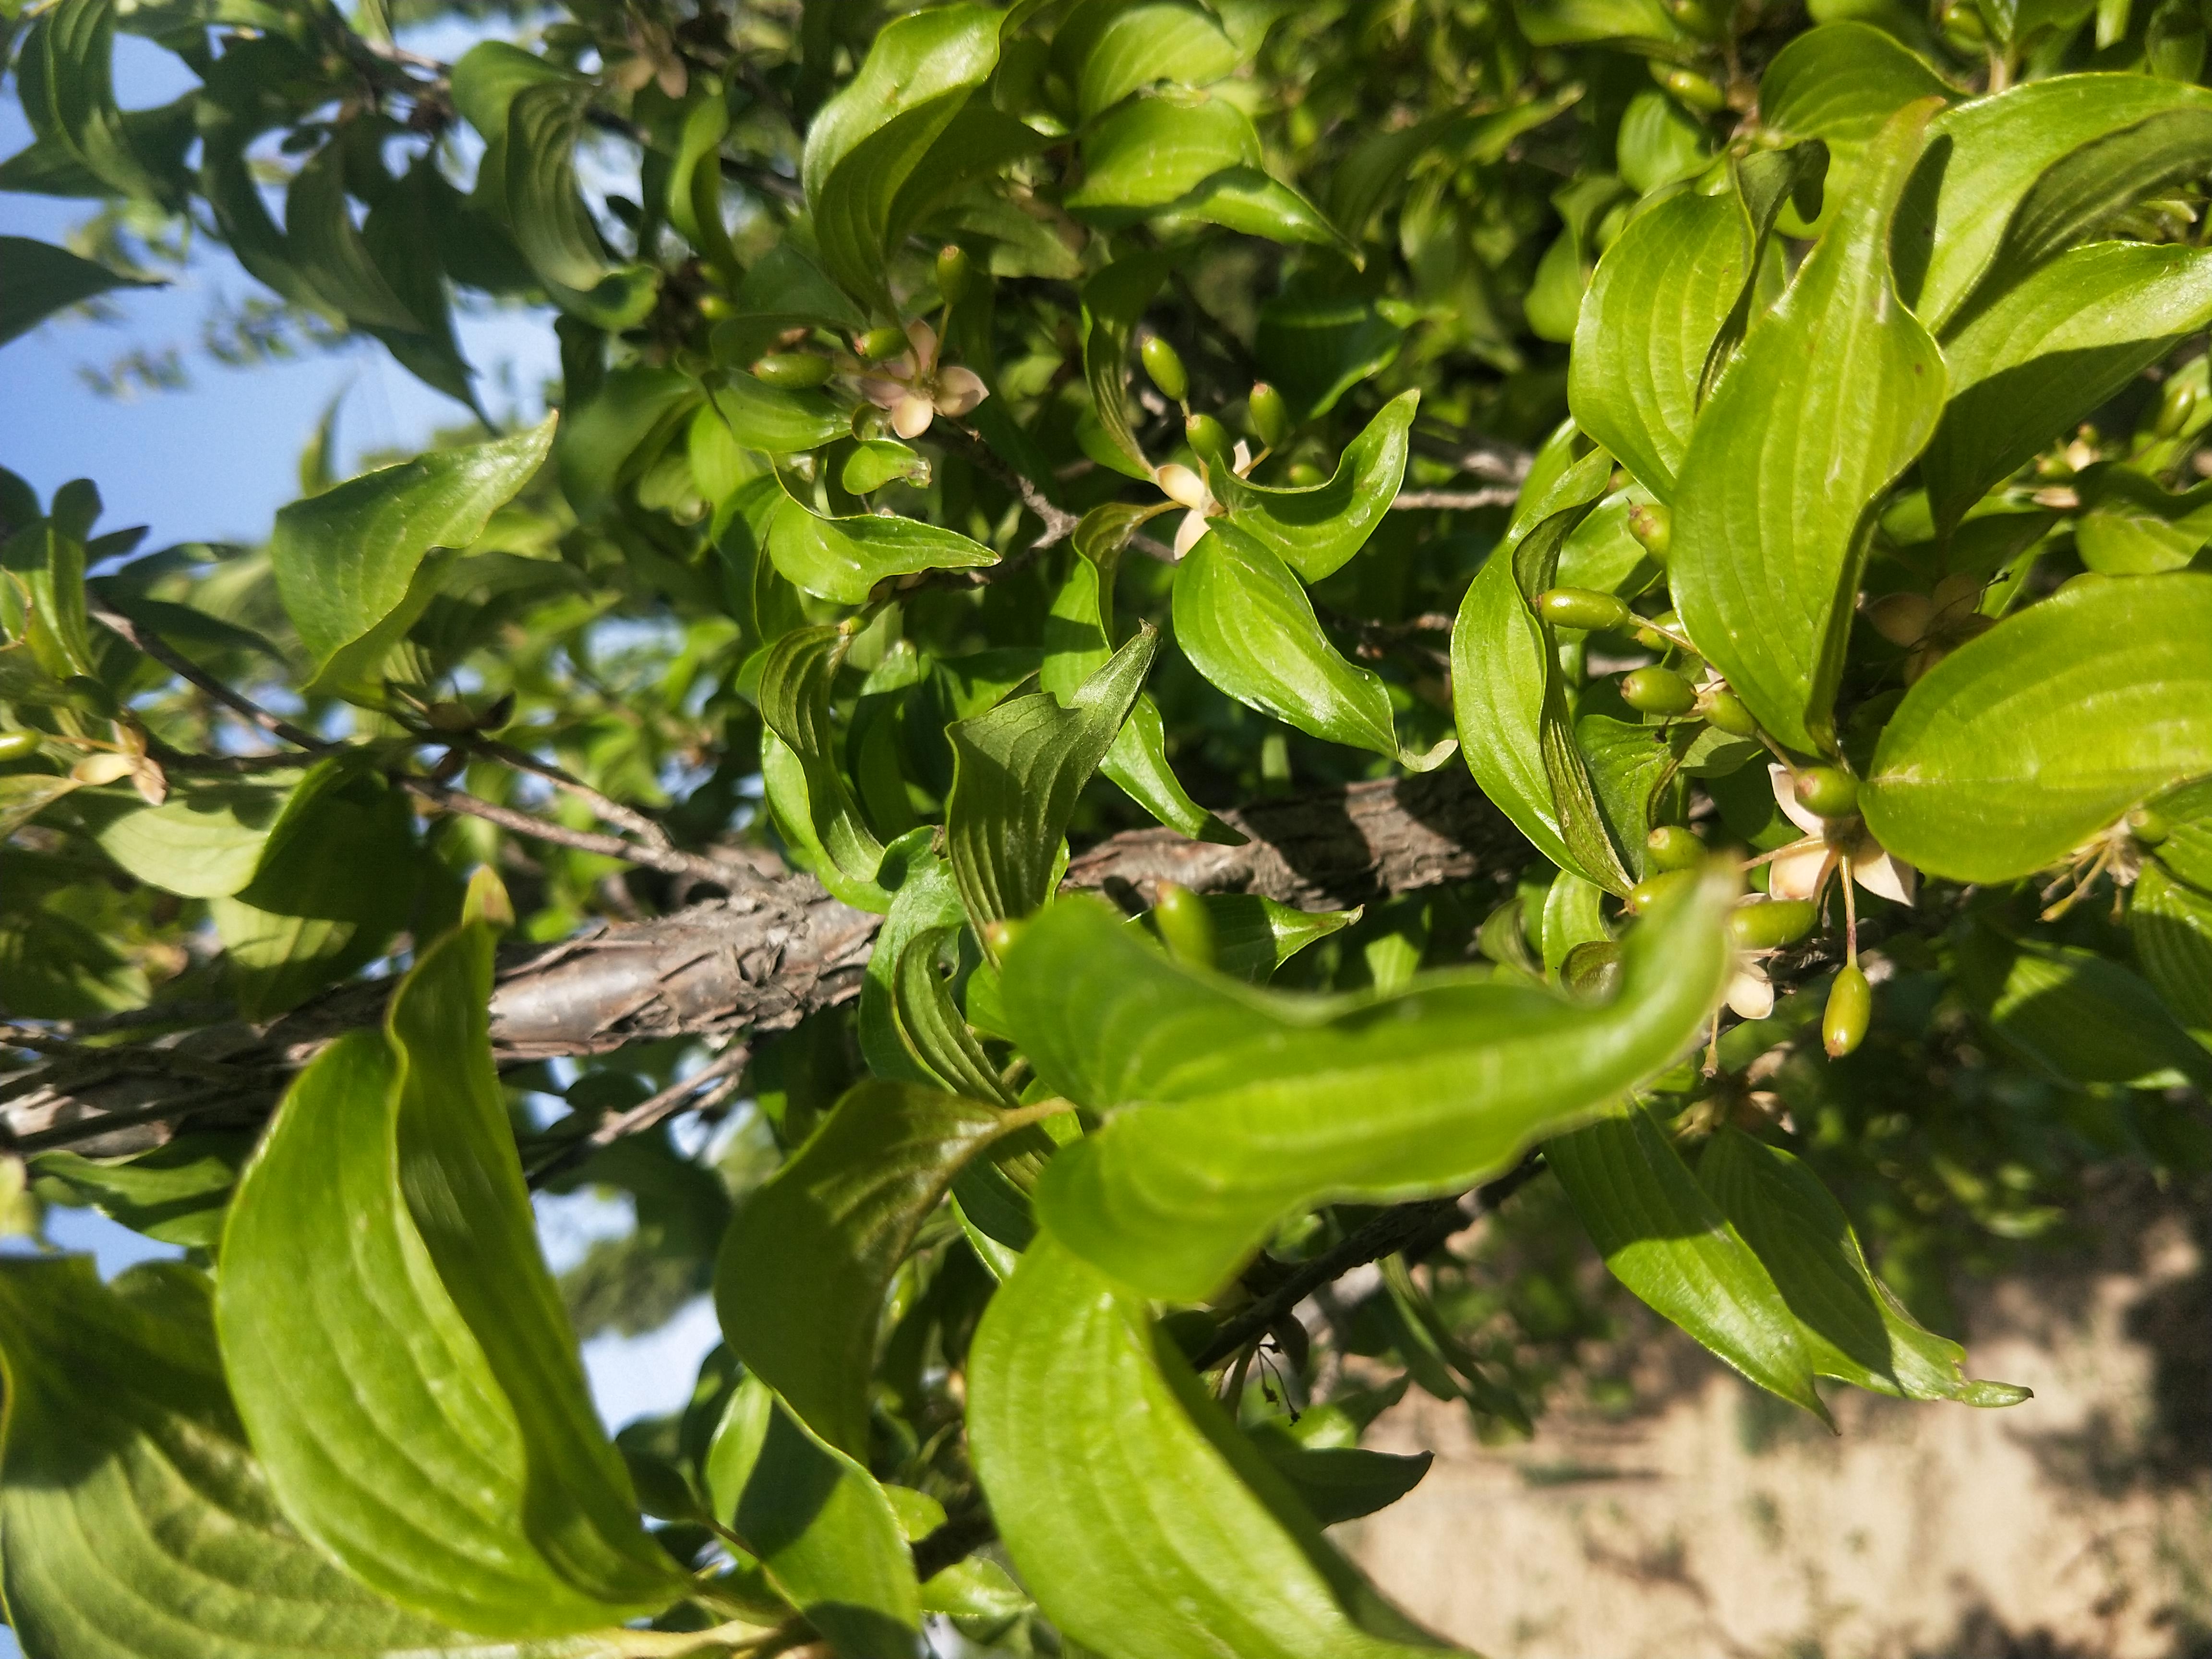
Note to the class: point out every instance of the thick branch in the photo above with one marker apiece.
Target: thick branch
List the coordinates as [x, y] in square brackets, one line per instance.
[766, 957]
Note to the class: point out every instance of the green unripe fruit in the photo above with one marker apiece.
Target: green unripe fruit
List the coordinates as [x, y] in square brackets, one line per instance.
[18, 745]
[715, 307]
[878, 343]
[1827, 791]
[1271, 415]
[1657, 691]
[1584, 608]
[794, 371]
[1165, 365]
[1592, 969]
[999, 937]
[2145, 823]
[1670, 847]
[1303, 475]
[1185, 924]
[1691, 87]
[1649, 890]
[952, 273]
[2175, 408]
[1724, 710]
[1772, 923]
[1693, 15]
[1653, 527]
[1850, 1007]
[1209, 442]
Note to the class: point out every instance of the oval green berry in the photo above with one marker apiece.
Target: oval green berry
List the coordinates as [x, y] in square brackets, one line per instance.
[1851, 1008]
[1653, 527]
[1649, 890]
[952, 273]
[1691, 87]
[1724, 710]
[878, 343]
[1271, 415]
[794, 371]
[1671, 846]
[1828, 792]
[2149, 825]
[1165, 364]
[1584, 608]
[1657, 691]
[1209, 441]
[1185, 924]
[18, 745]
[1770, 924]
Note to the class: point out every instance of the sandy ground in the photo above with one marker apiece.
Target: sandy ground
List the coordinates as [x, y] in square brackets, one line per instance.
[1726, 1526]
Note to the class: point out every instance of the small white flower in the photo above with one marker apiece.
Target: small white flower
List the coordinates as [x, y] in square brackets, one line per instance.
[915, 391]
[1750, 992]
[1800, 871]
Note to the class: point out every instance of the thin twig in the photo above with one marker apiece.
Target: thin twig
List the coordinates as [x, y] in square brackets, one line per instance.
[237, 701]
[1059, 523]
[1410, 501]
[646, 1113]
[668, 861]
[612, 811]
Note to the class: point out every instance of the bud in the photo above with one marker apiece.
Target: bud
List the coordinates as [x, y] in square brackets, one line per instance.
[2175, 408]
[1303, 475]
[2145, 823]
[1271, 415]
[1583, 607]
[1671, 846]
[952, 273]
[1657, 691]
[1770, 924]
[18, 745]
[95, 769]
[1690, 87]
[1185, 924]
[1827, 791]
[1955, 597]
[794, 371]
[715, 307]
[1649, 890]
[1165, 365]
[1209, 442]
[1593, 969]
[1653, 527]
[878, 343]
[1695, 17]
[1902, 619]
[449, 717]
[1850, 1006]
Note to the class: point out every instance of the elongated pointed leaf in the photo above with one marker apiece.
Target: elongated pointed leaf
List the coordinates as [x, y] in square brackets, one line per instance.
[2024, 369]
[1237, 1108]
[769, 418]
[1153, 150]
[43, 279]
[134, 1522]
[804, 1267]
[1834, 393]
[1664, 1238]
[2129, 526]
[1078, 1413]
[824, 1531]
[425, 1336]
[1252, 935]
[844, 558]
[924, 897]
[1340, 1483]
[355, 565]
[1316, 528]
[1840, 83]
[1247, 625]
[2073, 1014]
[932, 1026]
[794, 702]
[1853, 1328]
[328, 245]
[2170, 923]
[1112, 302]
[2001, 147]
[552, 227]
[1109, 49]
[866, 143]
[67, 86]
[1017, 771]
[2021, 744]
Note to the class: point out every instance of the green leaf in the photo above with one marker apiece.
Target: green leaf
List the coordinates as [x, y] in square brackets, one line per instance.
[1153, 150]
[1248, 200]
[2000, 148]
[1840, 83]
[487, 77]
[328, 246]
[1509, 697]
[844, 558]
[924, 897]
[1562, 275]
[179, 1192]
[2021, 744]
[1834, 393]
[66, 84]
[2025, 369]
[1109, 49]
[794, 702]
[2077, 1016]
[552, 227]
[24, 795]
[1853, 1328]
[931, 1025]
[1247, 625]
[1112, 302]
[1662, 1237]
[1233, 1565]
[869, 140]
[1340, 1483]
[1252, 935]
[804, 1269]
[1572, 22]
[695, 181]
[355, 565]
[1317, 346]
[1654, 305]
[1017, 771]
[2170, 923]
[1237, 1108]
[607, 440]
[2129, 526]
[137, 1524]
[503, 1509]
[773, 420]
[43, 279]
[205, 841]
[1316, 528]
[824, 1531]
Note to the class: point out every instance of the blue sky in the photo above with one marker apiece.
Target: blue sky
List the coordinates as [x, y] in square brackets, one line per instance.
[213, 462]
